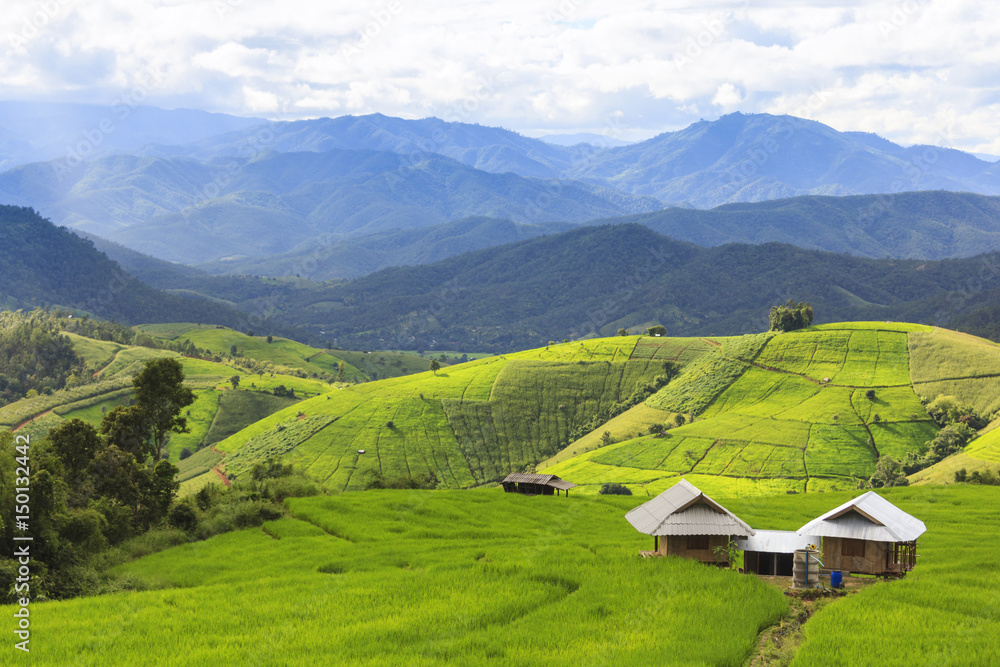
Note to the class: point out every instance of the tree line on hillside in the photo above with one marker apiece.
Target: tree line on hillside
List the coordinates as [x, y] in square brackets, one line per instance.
[101, 495]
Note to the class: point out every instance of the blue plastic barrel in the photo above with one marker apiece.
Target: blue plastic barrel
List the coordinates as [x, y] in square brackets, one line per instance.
[837, 579]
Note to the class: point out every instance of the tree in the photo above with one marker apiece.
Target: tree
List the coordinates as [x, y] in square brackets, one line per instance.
[614, 489]
[235, 381]
[622, 332]
[435, 366]
[671, 369]
[658, 330]
[76, 443]
[124, 428]
[270, 339]
[161, 395]
[605, 438]
[341, 370]
[232, 350]
[790, 316]
[870, 394]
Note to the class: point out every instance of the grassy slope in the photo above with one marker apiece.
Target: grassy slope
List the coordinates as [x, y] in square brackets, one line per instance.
[782, 413]
[469, 424]
[482, 577]
[280, 352]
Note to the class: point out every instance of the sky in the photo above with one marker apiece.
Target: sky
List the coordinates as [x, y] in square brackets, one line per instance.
[916, 71]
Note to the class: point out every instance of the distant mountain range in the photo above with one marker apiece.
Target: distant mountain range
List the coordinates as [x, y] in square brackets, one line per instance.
[595, 280]
[197, 188]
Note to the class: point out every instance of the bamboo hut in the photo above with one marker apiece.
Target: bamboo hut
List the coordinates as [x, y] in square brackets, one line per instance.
[868, 535]
[531, 484]
[685, 522]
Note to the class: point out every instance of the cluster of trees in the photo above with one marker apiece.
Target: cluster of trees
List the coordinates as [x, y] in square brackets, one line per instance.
[790, 316]
[35, 357]
[984, 477]
[958, 423]
[93, 488]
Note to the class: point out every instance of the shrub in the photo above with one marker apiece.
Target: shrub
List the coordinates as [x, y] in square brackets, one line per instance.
[185, 453]
[614, 489]
[183, 516]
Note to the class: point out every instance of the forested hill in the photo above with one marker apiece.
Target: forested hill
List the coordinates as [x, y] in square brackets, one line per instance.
[601, 278]
[42, 264]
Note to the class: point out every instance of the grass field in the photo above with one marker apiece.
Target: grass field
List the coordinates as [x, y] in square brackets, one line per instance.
[791, 412]
[483, 577]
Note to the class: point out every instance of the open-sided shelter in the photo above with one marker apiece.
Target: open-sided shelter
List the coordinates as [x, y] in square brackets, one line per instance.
[772, 552]
[685, 522]
[532, 484]
[868, 535]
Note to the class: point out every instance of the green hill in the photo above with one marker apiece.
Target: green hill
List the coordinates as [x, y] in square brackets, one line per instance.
[790, 412]
[469, 424]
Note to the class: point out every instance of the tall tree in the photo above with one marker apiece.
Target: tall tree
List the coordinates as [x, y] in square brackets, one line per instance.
[161, 395]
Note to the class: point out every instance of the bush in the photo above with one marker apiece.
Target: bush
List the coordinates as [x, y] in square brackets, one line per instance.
[614, 489]
[185, 453]
[183, 516]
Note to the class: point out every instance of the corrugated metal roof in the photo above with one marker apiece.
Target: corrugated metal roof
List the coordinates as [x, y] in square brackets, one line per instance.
[776, 541]
[533, 478]
[867, 517]
[684, 510]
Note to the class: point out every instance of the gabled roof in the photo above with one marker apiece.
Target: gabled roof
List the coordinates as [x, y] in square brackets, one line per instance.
[867, 517]
[776, 541]
[544, 480]
[684, 510]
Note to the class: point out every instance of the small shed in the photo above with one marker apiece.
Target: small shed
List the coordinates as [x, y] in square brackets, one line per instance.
[772, 552]
[685, 522]
[868, 535]
[531, 484]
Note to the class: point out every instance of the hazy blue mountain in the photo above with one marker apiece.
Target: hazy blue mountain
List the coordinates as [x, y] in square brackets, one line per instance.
[191, 211]
[325, 259]
[590, 138]
[917, 225]
[41, 131]
[757, 157]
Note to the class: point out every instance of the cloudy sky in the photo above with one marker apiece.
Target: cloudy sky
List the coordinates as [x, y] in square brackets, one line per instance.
[915, 71]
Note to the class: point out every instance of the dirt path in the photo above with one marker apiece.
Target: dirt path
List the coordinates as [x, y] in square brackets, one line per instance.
[23, 424]
[221, 475]
[108, 365]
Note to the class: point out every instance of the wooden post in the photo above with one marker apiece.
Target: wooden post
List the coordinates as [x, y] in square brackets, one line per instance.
[656, 543]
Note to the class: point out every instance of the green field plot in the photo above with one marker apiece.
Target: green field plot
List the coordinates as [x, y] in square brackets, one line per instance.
[239, 409]
[830, 405]
[94, 408]
[897, 439]
[839, 450]
[891, 404]
[199, 415]
[774, 431]
[701, 382]
[827, 484]
[197, 464]
[667, 453]
[95, 353]
[757, 460]
[901, 327]
[20, 411]
[949, 363]
[985, 447]
[763, 393]
[130, 360]
[943, 472]
[680, 350]
[631, 424]
[382, 364]
[618, 348]
[814, 354]
[730, 487]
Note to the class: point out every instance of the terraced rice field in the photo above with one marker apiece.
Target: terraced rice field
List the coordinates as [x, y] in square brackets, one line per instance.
[469, 425]
[482, 577]
[793, 411]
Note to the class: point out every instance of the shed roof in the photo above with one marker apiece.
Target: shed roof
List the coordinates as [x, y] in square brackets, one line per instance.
[867, 517]
[684, 510]
[776, 541]
[544, 480]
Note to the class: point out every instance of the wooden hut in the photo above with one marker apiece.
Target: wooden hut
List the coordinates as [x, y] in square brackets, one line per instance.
[531, 484]
[868, 535]
[685, 522]
[772, 552]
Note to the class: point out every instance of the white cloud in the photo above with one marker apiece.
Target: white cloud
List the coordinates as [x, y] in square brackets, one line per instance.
[910, 71]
